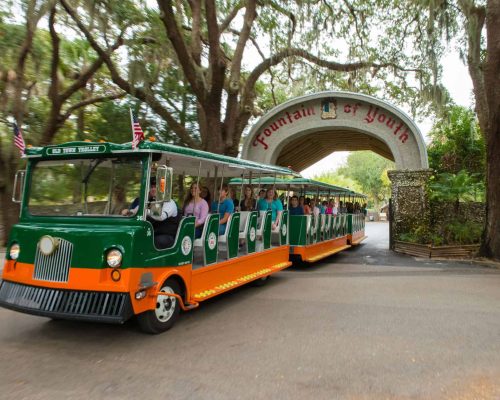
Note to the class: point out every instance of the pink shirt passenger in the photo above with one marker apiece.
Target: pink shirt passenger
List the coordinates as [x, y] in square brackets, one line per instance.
[199, 210]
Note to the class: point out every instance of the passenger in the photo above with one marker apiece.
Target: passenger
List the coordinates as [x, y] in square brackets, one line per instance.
[232, 192]
[205, 194]
[322, 209]
[304, 203]
[314, 209]
[164, 225]
[248, 202]
[226, 208]
[262, 194]
[295, 208]
[335, 209]
[329, 207]
[118, 203]
[271, 202]
[195, 206]
[134, 206]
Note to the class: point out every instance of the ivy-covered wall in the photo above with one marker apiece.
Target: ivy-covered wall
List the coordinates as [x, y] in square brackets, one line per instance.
[431, 221]
[443, 213]
[410, 202]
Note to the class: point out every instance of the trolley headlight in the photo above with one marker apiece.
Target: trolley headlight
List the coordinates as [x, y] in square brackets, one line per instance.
[114, 258]
[14, 251]
[48, 245]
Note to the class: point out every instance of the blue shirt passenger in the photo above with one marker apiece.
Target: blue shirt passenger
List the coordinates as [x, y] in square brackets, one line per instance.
[226, 208]
[269, 203]
[294, 208]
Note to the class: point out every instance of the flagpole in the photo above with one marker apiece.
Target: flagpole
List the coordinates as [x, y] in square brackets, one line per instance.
[132, 126]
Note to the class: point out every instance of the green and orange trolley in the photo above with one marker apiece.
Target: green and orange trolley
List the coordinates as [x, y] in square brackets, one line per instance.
[71, 257]
[76, 255]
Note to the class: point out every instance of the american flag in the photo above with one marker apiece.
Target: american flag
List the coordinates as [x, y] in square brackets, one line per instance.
[18, 139]
[137, 133]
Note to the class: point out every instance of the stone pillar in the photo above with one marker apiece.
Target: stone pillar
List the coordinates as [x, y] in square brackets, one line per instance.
[410, 203]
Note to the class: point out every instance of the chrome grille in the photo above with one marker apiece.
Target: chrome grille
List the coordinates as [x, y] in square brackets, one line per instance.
[54, 267]
[47, 301]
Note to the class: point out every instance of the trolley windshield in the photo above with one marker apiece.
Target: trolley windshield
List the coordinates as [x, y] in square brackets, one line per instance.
[85, 187]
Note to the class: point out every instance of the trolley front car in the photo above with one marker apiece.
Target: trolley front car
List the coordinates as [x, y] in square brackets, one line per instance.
[85, 247]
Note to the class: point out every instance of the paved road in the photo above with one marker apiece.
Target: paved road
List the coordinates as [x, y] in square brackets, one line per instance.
[365, 324]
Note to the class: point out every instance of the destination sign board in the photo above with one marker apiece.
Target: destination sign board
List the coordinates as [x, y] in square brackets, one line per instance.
[87, 149]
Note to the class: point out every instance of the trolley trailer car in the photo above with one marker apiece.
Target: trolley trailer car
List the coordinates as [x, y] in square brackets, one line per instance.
[80, 251]
[315, 236]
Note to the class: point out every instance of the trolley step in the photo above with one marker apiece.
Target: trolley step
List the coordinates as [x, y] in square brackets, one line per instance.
[326, 253]
[358, 241]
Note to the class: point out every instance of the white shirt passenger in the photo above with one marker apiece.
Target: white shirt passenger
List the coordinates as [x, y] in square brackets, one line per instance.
[168, 210]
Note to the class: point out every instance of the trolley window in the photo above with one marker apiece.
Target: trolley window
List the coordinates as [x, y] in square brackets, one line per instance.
[85, 187]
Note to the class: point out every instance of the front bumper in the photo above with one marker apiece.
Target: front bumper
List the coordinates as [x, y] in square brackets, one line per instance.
[110, 307]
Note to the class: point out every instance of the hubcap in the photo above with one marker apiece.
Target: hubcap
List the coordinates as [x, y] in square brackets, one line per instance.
[165, 305]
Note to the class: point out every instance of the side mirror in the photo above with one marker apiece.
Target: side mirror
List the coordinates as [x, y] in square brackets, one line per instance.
[164, 179]
[18, 189]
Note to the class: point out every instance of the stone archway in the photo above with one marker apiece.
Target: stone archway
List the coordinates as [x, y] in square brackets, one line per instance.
[325, 122]
[302, 131]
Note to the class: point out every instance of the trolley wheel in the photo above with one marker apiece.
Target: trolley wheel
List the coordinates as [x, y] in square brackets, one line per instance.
[166, 313]
[261, 281]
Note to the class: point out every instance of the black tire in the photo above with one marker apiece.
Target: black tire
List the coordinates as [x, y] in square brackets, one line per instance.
[166, 313]
[261, 281]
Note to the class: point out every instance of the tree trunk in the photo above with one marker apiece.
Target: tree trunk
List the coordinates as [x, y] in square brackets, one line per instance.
[491, 237]
[10, 210]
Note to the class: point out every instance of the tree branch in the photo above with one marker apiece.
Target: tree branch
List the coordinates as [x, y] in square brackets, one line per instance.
[87, 102]
[331, 65]
[250, 14]
[54, 64]
[193, 76]
[217, 65]
[90, 71]
[196, 31]
[123, 84]
[229, 18]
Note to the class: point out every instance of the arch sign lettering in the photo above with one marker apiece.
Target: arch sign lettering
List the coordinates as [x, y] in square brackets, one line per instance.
[330, 112]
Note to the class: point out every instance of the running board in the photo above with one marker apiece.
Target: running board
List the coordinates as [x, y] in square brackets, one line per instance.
[241, 281]
[327, 253]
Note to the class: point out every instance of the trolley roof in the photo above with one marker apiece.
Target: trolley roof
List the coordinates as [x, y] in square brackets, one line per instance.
[305, 185]
[187, 160]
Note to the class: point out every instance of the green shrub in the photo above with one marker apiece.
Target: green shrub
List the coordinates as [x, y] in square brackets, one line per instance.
[456, 232]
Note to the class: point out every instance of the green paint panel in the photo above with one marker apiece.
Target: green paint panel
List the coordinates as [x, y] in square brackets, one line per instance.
[211, 244]
[298, 230]
[266, 233]
[349, 224]
[252, 227]
[318, 229]
[328, 230]
[355, 223]
[233, 236]
[91, 241]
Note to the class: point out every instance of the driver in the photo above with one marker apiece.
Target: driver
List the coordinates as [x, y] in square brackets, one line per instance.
[165, 223]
